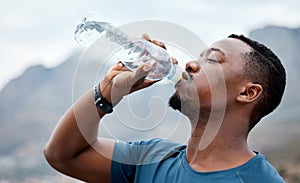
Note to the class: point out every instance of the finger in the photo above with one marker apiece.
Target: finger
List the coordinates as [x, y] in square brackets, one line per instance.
[119, 66]
[122, 67]
[159, 43]
[149, 83]
[142, 71]
[110, 75]
[146, 36]
[143, 83]
[174, 61]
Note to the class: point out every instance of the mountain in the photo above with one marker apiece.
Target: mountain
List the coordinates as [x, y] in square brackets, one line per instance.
[32, 104]
[32, 101]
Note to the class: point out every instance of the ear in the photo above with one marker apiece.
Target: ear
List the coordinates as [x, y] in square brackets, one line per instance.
[250, 93]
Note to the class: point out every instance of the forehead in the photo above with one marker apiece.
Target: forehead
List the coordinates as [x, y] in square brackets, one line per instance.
[231, 47]
[232, 55]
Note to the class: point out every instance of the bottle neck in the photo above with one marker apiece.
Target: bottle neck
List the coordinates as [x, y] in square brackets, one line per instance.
[175, 75]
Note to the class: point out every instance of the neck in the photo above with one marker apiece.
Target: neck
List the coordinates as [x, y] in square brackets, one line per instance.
[227, 148]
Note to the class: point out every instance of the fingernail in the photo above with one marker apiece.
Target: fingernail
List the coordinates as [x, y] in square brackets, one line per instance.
[147, 68]
[120, 64]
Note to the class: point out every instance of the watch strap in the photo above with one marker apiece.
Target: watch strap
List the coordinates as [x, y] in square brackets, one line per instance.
[100, 102]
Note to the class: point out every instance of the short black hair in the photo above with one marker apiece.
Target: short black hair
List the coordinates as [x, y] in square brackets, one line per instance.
[263, 67]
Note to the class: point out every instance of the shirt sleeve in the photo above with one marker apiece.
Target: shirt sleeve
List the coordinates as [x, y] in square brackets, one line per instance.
[122, 170]
[127, 156]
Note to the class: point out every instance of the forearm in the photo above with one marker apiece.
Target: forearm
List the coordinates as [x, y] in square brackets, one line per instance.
[70, 144]
[76, 130]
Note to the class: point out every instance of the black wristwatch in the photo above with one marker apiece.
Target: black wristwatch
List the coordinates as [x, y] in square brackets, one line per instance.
[100, 102]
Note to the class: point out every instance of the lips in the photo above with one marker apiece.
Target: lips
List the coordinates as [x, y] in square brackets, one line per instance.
[186, 76]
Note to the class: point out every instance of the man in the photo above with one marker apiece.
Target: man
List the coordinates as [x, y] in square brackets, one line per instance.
[255, 80]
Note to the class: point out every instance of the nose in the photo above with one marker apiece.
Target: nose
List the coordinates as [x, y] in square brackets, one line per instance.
[192, 67]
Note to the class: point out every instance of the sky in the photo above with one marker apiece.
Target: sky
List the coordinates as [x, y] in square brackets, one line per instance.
[41, 32]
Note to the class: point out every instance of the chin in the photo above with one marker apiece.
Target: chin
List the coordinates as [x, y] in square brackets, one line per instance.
[175, 102]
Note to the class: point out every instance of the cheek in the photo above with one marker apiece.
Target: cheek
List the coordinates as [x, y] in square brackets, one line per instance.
[233, 88]
[212, 89]
[200, 92]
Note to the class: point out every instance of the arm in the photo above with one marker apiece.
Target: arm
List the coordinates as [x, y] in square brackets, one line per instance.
[73, 147]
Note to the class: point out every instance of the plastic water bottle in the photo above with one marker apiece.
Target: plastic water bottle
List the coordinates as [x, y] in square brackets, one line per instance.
[133, 52]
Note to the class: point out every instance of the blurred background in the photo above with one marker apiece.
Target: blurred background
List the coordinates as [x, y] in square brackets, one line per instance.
[38, 57]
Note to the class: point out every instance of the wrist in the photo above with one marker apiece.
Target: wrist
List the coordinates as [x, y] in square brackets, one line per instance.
[114, 96]
[101, 102]
[105, 90]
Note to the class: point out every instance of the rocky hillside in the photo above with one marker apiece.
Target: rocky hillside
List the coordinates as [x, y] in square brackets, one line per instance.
[32, 104]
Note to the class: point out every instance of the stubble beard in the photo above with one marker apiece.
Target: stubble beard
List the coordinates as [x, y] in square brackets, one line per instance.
[175, 101]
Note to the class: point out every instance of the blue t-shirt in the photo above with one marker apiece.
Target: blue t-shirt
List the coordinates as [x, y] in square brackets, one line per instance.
[164, 161]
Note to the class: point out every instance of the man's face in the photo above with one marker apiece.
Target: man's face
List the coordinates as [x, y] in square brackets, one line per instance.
[214, 80]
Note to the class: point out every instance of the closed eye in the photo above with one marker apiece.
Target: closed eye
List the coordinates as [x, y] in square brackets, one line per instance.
[212, 60]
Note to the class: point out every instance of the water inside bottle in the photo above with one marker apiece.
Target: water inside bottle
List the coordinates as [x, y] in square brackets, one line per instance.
[88, 31]
[131, 53]
[142, 51]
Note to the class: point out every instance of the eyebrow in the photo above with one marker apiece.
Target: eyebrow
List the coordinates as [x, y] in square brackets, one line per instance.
[218, 50]
[214, 49]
